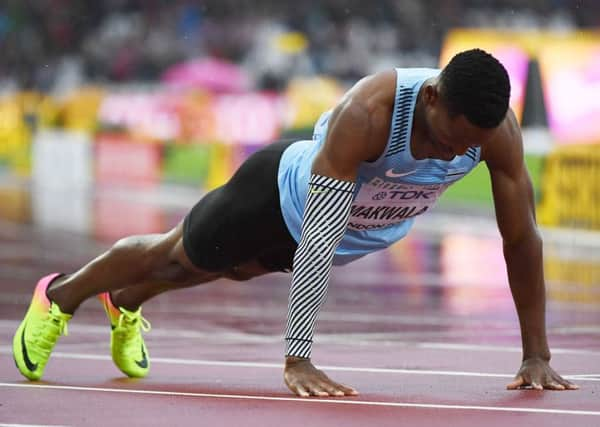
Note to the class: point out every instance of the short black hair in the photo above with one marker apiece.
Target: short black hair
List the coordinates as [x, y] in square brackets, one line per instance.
[476, 84]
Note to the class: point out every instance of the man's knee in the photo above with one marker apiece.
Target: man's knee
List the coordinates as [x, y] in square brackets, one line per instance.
[144, 253]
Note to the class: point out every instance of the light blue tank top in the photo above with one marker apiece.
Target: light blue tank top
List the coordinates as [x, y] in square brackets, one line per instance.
[389, 192]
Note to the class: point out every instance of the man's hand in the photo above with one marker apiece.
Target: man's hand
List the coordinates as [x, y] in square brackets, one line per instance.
[303, 379]
[537, 374]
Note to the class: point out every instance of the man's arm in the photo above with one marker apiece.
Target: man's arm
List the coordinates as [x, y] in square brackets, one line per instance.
[351, 139]
[522, 244]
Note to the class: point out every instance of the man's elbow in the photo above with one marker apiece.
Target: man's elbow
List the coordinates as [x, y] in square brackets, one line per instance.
[530, 237]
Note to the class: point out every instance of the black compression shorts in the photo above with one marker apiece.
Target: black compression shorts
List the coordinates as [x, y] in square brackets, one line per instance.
[242, 220]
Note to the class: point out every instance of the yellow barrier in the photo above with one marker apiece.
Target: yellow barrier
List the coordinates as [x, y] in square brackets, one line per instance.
[20, 115]
[572, 280]
[571, 188]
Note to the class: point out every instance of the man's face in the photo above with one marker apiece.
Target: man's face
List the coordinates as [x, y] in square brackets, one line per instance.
[450, 136]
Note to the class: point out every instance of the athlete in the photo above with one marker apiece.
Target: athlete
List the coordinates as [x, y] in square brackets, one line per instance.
[382, 156]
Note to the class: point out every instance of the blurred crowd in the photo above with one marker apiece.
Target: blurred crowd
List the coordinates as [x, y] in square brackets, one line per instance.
[51, 45]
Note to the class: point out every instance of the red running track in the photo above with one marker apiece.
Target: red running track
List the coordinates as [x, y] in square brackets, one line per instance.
[424, 355]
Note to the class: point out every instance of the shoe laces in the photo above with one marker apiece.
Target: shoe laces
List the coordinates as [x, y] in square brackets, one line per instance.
[47, 332]
[130, 323]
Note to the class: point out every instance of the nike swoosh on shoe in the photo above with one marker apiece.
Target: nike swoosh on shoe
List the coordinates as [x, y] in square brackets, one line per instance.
[144, 362]
[30, 365]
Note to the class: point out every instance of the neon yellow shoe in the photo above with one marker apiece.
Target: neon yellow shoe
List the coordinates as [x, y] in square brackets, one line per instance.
[37, 334]
[126, 342]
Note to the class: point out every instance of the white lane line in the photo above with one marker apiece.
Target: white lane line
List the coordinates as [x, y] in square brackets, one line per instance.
[310, 400]
[30, 425]
[265, 365]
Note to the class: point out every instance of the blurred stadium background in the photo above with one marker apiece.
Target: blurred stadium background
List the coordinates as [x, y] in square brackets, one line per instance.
[116, 115]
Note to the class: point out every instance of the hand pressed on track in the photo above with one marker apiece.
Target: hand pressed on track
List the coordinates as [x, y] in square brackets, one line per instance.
[537, 374]
[304, 380]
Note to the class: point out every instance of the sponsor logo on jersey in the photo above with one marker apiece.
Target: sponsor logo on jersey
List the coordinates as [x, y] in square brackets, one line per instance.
[391, 174]
[380, 203]
[393, 213]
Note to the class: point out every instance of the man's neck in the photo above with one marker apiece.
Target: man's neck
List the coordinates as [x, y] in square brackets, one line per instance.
[418, 128]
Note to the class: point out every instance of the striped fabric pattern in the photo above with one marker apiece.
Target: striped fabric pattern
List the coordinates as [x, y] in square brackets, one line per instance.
[401, 120]
[324, 222]
[472, 153]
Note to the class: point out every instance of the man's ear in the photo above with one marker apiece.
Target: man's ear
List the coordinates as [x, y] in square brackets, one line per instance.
[431, 94]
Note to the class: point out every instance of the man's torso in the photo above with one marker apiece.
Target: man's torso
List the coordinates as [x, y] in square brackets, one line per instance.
[390, 191]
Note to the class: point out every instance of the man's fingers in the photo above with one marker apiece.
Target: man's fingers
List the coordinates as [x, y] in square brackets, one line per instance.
[309, 390]
[300, 390]
[322, 389]
[568, 384]
[553, 385]
[326, 388]
[537, 374]
[316, 383]
[318, 392]
[296, 388]
[518, 382]
[337, 389]
[332, 389]
[348, 391]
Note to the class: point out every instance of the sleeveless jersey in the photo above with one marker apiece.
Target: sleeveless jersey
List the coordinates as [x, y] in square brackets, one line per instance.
[389, 192]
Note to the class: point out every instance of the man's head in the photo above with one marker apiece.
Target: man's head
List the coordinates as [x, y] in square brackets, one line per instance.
[467, 103]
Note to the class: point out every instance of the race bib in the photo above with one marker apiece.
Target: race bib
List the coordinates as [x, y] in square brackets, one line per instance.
[381, 203]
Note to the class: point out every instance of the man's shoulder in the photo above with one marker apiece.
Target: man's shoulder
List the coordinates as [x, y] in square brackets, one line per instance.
[507, 144]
